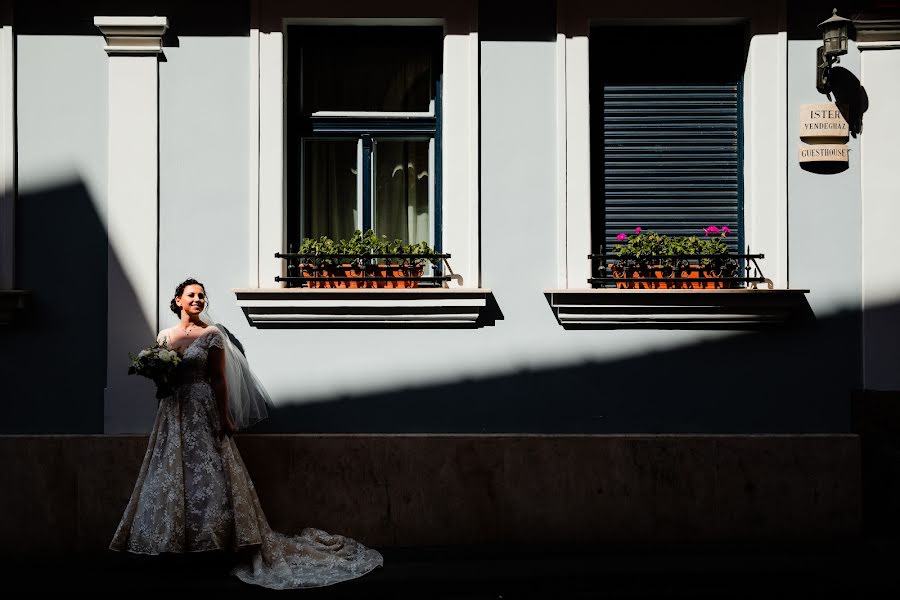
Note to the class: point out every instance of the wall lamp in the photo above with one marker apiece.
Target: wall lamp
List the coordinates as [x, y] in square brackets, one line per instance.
[834, 44]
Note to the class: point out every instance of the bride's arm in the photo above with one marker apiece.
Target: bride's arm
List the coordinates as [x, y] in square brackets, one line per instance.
[220, 387]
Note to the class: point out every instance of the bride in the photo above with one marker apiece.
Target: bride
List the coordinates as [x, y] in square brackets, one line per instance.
[193, 493]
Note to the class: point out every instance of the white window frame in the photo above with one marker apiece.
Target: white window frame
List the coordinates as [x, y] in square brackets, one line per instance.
[765, 129]
[460, 160]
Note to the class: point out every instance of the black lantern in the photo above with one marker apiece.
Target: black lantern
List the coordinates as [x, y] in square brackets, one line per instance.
[834, 44]
[834, 35]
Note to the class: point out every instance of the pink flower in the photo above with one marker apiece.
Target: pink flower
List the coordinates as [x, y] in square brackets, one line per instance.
[621, 237]
[725, 229]
[712, 229]
[637, 230]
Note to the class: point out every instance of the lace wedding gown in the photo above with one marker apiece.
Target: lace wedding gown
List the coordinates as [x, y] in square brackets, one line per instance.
[193, 494]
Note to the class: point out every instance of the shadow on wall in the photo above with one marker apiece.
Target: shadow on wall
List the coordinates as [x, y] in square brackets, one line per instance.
[785, 380]
[851, 98]
[779, 381]
[54, 358]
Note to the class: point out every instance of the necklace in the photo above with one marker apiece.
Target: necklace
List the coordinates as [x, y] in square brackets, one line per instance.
[187, 330]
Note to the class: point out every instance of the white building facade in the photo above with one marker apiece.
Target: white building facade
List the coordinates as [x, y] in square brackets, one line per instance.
[140, 149]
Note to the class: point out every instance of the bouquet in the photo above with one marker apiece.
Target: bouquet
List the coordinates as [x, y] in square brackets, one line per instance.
[156, 363]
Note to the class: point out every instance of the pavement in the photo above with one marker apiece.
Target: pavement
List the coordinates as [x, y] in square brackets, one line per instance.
[851, 569]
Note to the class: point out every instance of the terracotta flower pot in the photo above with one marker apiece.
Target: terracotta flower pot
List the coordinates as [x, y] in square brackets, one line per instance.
[653, 277]
[344, 276]
[711, 280]
[331, 276]
[656, 277]
[396, 271]
[313, 271]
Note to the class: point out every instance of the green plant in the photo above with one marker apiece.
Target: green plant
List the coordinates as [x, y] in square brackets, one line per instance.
[656, 249]
[359, 245]
[320, 246]
[420, 248]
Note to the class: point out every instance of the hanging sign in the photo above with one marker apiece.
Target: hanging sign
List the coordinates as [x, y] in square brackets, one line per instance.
[823, 120]
[823, 153]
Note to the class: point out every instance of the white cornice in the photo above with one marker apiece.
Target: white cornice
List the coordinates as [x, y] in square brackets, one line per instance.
[886, 45]
[877, 33]
[677, 309]
[133, 35]
[419, 307]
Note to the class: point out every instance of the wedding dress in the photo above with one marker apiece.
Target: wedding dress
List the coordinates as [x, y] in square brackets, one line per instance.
[193, 494]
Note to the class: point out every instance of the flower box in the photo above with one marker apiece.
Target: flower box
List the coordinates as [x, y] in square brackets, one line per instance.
[649, 260]
[353, 277]
[400, 267]
[658, 277]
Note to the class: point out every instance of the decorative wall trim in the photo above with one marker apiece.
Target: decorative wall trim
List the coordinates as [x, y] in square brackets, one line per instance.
[305, 307]
[886, 45]
[132, 35]
[872, 31]
[132, 219]
[253, 150]
[676, 309]
[562, 271]
[577, 168]
[7, 156]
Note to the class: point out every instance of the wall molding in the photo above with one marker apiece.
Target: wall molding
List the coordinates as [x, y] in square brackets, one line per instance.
[133, 35]
[677, 309]
[7, 156]
[313, 307]
[877, 31]
[132, 220]
[886, 45]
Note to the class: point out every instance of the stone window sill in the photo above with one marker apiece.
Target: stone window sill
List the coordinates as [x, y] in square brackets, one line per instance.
[677, 309]
[360, 308]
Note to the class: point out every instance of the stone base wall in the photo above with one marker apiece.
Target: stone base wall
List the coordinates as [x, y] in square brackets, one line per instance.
[65, 494]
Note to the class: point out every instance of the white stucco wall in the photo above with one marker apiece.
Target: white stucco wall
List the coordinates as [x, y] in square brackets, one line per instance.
[525, 373]
[880, 74]
[53, 363]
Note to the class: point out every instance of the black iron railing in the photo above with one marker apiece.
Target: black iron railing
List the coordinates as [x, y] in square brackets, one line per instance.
[361, 270]
[678, 271]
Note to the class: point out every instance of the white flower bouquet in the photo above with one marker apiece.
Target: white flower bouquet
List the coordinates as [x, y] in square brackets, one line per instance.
[156, 363]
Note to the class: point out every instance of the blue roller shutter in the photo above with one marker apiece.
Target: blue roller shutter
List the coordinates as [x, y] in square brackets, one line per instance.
[671, 159]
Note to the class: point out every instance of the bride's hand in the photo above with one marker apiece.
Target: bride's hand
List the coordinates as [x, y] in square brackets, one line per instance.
[228, 426]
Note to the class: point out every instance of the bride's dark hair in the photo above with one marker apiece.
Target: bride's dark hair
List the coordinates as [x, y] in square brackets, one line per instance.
[179, 291]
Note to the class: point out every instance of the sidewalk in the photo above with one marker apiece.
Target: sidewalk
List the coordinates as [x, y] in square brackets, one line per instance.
[852, 570]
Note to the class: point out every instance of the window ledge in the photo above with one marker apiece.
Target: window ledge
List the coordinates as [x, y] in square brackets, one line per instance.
[677, 309]
[12, 302]
[354, 308]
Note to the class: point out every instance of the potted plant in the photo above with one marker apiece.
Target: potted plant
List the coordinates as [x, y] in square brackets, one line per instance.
[322, 268]
[387, 272]
[651, 260]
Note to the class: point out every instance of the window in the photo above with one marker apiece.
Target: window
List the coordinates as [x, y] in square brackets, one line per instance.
[281, 125]
[364, 132]
[667, 132]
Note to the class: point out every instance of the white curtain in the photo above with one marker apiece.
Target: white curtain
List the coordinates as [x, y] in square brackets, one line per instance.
[402, 189]
[330, 205]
